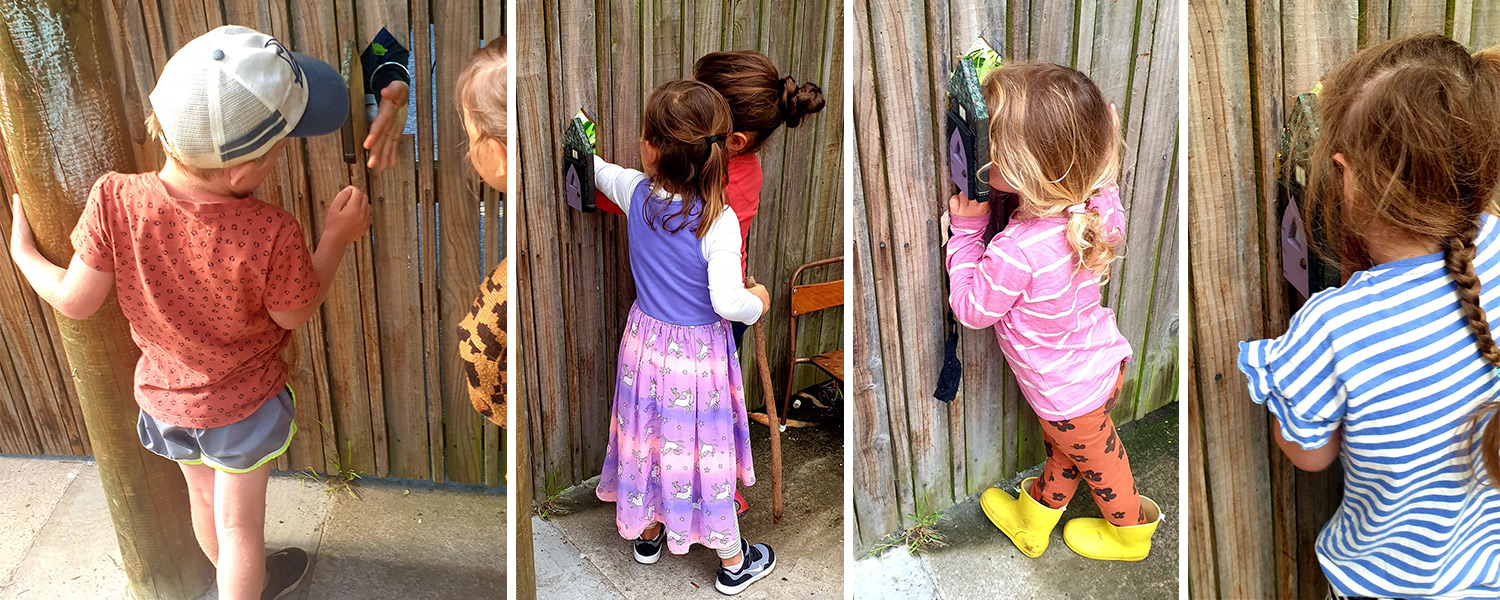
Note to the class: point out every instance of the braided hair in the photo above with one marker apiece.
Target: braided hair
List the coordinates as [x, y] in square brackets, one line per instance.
[1417, 121]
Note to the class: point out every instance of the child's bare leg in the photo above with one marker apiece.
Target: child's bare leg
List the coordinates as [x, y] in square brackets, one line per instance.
[651, 531]
[240, 522]
[200, 484]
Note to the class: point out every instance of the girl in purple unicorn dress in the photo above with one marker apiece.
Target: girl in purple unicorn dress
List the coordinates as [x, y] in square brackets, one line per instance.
[678, 435]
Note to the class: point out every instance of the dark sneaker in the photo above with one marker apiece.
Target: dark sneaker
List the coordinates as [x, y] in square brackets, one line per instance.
[284, 572]
[756, 562]
[647, 552]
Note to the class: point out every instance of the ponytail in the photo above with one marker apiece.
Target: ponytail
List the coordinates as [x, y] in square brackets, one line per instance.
[715, 179]
[1094, 246]
[688, 123]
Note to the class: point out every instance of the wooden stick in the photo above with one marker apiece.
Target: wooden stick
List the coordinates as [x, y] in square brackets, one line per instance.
[771, 421]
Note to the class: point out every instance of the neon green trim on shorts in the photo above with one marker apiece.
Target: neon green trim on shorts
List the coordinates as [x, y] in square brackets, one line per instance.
[273, 456]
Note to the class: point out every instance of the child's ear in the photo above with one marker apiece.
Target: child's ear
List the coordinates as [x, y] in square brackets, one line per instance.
[1346, 178]
[738, 141]
[238, 176]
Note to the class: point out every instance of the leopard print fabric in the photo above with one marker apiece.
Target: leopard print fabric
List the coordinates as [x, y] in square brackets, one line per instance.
[481, 345]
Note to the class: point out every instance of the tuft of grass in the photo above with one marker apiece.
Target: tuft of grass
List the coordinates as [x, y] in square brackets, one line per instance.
[920, 537]
[341, 480]
[552, 506]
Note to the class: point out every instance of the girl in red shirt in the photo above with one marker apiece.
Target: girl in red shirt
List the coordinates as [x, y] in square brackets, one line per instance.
[761, 100]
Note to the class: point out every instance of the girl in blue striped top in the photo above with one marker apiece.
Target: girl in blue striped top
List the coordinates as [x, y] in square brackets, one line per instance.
[1396, 373]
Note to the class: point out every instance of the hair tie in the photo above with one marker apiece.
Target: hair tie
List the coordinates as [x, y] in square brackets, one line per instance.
[1079, 208]
[712, 139]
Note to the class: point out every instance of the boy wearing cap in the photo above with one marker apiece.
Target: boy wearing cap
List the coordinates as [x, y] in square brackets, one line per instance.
[213, 280]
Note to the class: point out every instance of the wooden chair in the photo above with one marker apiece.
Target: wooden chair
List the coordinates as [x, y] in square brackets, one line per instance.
[808, 299]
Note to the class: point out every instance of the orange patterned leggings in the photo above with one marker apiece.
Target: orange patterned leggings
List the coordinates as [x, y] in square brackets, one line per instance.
[1088, 447]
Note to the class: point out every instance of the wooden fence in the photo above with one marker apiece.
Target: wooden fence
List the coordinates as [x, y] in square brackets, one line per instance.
[923, 455]
[1254, 516]
[572, 272]
[377, 374]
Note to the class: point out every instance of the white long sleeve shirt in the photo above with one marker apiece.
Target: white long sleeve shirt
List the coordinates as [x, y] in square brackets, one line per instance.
[720, 246]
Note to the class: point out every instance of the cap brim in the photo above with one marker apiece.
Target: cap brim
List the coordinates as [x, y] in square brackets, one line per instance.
[327, 99]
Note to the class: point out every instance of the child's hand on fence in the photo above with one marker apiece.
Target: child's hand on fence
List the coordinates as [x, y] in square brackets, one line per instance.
[946, 222]
[20, 230]
[960, 205]
[348, 217]
[384, 138]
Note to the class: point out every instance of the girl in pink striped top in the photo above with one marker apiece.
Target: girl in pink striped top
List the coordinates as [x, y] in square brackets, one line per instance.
[1056, 143]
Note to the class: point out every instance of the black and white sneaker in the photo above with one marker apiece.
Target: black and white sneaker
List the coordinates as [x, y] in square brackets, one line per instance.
[647, 552]
[284, 572]
[757, 561]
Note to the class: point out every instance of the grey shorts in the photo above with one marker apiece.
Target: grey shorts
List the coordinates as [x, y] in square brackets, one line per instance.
[238, 447]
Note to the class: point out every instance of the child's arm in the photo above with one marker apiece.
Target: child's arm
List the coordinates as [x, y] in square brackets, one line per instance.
[348, 220]
[1315, 459]
[76, 292]
[616, 182]
[726, 287]
[984, 283]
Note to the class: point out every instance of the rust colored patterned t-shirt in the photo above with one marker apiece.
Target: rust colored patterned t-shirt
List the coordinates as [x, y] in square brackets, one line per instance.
[196, 281]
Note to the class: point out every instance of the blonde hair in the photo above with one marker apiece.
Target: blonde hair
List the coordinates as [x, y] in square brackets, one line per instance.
[1051, 137]
[153, 129]
[480, 92]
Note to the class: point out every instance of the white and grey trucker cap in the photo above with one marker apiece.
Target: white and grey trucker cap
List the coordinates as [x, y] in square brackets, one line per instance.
[230, 94]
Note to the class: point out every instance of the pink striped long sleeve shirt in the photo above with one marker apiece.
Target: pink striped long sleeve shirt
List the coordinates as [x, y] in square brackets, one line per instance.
[1063, 345]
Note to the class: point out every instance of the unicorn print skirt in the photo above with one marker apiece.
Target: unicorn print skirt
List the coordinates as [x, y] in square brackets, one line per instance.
[678, 436]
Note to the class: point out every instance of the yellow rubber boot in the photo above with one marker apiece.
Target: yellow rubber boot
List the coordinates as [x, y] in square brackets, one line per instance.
[1025, 521]
[1100, 540]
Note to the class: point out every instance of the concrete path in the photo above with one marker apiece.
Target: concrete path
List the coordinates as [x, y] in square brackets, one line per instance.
[581, 555]
[398, 540]
[980, 562]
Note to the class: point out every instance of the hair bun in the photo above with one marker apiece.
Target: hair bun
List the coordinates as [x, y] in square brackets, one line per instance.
[799, 101]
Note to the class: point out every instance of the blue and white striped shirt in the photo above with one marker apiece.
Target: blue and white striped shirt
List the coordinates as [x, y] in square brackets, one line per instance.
[1390, 358]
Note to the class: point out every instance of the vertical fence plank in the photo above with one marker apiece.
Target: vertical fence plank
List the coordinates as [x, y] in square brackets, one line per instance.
[1417, 16]
[1484, 28]
[458, 193]
[395, 230]
[542, 274]
[1225, 297]
[875, 497]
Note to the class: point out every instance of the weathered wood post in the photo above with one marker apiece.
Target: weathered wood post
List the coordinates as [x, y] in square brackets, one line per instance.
[63, 124]
[525, 572]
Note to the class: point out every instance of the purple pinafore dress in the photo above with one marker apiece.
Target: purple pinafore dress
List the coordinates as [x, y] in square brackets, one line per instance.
[678, 434]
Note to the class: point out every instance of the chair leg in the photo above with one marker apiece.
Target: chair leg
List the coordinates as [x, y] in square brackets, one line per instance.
[786, 394]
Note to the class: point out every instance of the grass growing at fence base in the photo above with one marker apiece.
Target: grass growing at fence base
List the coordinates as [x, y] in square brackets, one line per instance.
[921, 536]
[342, 479]
[552, 506]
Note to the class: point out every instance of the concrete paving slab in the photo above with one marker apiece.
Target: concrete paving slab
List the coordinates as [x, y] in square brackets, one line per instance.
[562, 570]
[808, 541]
[411, 541]
[979, 561]
[295, 512]
[75, 555]
[32, 487]
[893, 575]
[433, 542]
